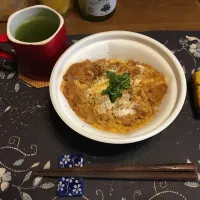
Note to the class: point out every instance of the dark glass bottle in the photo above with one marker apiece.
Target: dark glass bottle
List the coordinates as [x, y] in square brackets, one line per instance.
[97, 10]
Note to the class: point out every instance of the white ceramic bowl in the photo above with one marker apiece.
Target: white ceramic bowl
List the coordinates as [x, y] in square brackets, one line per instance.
[121, 45]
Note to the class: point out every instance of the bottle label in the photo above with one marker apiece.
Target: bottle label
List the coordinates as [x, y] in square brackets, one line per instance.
[100, 7]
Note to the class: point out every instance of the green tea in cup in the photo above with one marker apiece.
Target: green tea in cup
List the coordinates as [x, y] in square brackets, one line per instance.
[36, 29]
[39, 37]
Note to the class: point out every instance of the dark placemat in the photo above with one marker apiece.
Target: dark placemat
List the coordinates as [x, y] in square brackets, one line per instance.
[33, 136]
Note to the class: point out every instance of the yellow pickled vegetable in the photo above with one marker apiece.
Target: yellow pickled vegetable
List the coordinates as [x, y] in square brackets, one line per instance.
[64, 7]
[196, 77]
[196, 89]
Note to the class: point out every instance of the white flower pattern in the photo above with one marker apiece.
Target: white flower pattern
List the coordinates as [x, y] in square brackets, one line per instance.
[65, 160]
[195, 49]
[69, 180]
[61, 186]
[80, 163]
[77, 189]
[5, 178]
[183, 42]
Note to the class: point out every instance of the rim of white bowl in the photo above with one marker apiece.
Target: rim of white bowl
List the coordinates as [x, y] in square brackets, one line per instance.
[161, 127]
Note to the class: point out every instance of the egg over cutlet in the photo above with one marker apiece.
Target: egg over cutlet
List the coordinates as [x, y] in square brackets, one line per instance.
[84, 82]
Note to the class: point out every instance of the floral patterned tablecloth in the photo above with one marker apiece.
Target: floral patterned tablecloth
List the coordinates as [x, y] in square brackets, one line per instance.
[32, 136]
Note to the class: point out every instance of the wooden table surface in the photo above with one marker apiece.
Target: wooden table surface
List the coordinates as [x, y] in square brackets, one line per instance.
[139, 15]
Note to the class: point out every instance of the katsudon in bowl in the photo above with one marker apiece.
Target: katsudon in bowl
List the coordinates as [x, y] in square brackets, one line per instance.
[112, 95]
[117, 87]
